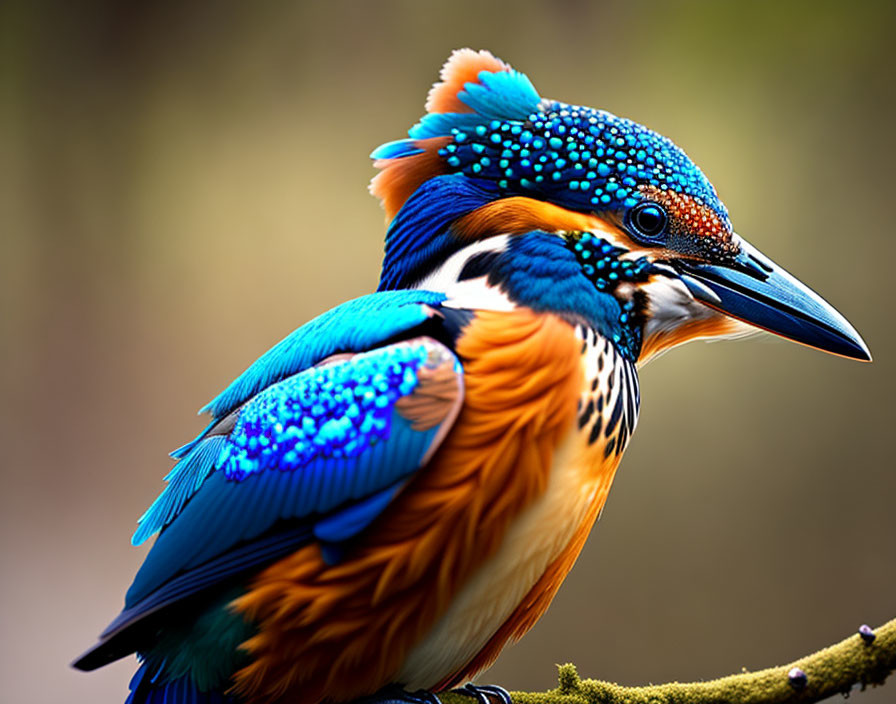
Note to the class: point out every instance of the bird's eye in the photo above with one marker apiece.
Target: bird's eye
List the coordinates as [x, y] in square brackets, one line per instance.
[647, 222]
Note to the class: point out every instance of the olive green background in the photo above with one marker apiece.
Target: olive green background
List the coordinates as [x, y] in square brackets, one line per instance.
[181, 184]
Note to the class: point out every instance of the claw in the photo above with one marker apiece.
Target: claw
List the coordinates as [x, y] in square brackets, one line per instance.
[471, 690]
[485, 693]
[499, 693]
[393, 694]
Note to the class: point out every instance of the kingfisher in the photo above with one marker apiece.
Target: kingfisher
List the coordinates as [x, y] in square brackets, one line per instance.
[395, 491]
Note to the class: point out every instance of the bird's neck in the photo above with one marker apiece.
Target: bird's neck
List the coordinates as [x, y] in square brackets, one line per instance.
[610, 400]
[547, 273]
[420, 237]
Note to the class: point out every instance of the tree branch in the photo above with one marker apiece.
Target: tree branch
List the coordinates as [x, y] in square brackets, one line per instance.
[866, 658]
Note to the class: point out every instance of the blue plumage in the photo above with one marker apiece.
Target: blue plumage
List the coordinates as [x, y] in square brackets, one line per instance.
[315, 454]
[506, 95]
[144, 690]
[354, 326]
[441, 124]
[577, 157]
[303, 448]
[396, 150]
[547, 273]
[184, 480]
[420, 236]
[335, 411]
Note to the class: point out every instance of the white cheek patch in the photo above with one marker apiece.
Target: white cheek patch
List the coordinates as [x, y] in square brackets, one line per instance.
[472, 293]
[671, 305]
[447, 274]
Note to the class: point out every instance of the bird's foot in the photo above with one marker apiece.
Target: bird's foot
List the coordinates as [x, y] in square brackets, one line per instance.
[485, 693]
[393, 694]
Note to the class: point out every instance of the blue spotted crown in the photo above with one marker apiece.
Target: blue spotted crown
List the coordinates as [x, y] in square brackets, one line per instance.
[486, 121]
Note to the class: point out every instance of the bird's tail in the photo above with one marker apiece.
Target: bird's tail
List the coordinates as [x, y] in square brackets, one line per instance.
[149, 689]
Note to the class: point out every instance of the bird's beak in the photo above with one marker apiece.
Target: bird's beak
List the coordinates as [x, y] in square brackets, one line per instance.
[761, 293]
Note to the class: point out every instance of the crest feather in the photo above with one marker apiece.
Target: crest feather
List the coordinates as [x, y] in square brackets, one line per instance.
[462, 67]
[475, 87]
[401, 175]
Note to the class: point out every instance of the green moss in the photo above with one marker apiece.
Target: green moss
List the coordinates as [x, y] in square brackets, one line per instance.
[836, 669]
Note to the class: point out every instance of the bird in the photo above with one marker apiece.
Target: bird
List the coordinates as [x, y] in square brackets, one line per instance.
[395, 491]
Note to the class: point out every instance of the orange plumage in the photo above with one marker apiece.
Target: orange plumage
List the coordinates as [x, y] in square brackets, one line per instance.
[462, 67]
[518, 215]
[339, 632]
[399, 178]
[539, 596]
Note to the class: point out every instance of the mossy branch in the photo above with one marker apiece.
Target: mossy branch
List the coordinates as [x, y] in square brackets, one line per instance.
[866, 658]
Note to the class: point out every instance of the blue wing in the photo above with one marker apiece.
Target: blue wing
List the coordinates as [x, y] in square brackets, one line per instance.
[315, 456]
[326, 438]
[354, 326]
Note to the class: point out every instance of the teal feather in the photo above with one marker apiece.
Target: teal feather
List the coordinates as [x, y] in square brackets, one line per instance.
[184, 480]
[354, 326]
[502, 95]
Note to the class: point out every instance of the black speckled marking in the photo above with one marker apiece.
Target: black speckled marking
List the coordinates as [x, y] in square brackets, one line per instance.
[586, 416]
[615, 415]
[478, 265]
[608, 450]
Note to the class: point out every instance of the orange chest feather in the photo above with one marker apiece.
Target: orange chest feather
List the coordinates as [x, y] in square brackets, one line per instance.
[513, 588]
[340, 632]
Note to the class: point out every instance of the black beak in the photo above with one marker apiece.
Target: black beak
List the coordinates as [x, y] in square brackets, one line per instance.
[759, 292]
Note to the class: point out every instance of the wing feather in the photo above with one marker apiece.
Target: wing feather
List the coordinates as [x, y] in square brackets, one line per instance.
[318, 455]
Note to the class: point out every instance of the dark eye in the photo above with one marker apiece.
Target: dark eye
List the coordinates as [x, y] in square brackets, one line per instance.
[647, 221]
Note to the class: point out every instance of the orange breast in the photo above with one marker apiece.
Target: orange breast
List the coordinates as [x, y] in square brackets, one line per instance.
[542, 593]
[339, 632]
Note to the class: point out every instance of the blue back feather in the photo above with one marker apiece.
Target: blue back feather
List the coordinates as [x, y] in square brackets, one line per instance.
[183, 480]
[420, 236]
[318, 446]
[317, 455]
[351, 327]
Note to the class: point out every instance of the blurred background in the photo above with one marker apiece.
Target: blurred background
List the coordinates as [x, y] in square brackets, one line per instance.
[181, 184]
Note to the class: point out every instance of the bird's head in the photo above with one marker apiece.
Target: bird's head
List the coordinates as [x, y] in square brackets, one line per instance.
[491, 157]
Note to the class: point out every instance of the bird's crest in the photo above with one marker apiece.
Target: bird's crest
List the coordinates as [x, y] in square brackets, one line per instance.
[491, 156]
[475, 87]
